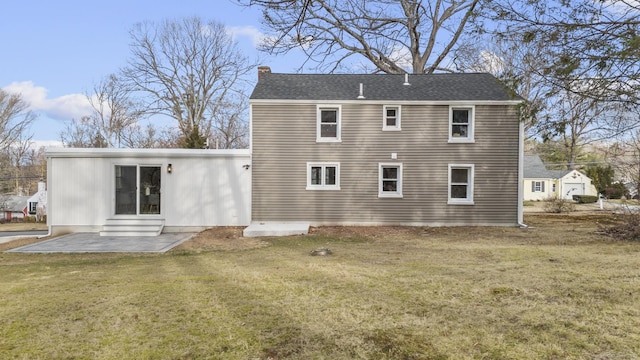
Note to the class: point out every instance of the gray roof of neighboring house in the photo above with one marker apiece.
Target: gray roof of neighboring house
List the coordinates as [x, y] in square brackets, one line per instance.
[534, 168]
[13, 203]
[431, 87]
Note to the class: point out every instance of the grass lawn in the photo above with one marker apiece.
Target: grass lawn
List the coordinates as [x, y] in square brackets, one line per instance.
[555, 291]
[23, 226]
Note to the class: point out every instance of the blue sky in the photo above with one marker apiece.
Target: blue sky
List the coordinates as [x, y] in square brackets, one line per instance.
[54, 51]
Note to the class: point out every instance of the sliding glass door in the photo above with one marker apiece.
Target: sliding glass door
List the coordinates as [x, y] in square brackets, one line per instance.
[137, 190]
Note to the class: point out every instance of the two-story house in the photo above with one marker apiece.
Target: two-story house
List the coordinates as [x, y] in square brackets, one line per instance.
[435, 150]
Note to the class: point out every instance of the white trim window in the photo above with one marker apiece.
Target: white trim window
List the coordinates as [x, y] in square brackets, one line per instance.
[328, 123]
[33, 207]
[390, 180]
[391, 117]
[538, 186]
[323, 176]
[461, 184]
[461, 123]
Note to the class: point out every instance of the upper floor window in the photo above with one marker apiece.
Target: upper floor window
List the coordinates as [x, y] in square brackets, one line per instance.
[461, 123]
[390, 180]
[328, 124]
[323, 176]
[391, 118]
[461, 184]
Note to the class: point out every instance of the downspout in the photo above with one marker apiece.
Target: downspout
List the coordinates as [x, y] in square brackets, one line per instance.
[48, 232]
[47, 188]
[521, 177]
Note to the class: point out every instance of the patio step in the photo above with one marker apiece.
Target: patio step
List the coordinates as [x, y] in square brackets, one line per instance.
[276, 228]
[132, 227]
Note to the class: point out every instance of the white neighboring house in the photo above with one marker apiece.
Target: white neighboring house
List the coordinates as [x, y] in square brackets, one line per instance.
[17, 207]
[37, 203]
[541, 183]
[13, 207]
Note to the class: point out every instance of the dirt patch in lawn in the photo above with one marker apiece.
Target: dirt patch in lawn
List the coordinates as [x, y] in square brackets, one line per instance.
[223, 238]
[544, 229]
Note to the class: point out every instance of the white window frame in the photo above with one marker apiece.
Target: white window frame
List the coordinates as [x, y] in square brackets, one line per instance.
[323, 185]
[470, 187]
[33, 207]
[470, 126]
[538, 186]
[389, 194]
[338, 109]
[397, 126]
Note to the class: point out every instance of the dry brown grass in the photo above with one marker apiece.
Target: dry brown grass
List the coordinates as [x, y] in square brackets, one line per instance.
[557, 290]
[22, 226]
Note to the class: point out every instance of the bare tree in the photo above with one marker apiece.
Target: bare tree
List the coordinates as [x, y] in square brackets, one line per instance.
[149, 136]
[517, 66]
[590, 40]
[82, 133]
[15, 119]
[230, 131]
[19, 153]
[113, 110]
[182, 68]
[395, 36]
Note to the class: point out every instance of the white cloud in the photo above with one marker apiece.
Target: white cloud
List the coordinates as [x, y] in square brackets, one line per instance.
[257, 37]
[623, 7]
[491, 62]
[66, 107]
[37, 144]
[401, 56]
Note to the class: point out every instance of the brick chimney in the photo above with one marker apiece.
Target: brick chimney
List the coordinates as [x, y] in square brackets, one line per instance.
[263, 70]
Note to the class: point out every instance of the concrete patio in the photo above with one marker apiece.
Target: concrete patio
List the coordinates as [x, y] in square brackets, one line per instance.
[94, 243]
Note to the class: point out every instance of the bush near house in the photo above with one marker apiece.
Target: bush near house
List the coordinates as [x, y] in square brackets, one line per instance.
[616, 191]
[558, 205]
[585, 199]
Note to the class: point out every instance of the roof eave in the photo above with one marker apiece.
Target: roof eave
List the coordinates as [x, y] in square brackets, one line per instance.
[386, 102]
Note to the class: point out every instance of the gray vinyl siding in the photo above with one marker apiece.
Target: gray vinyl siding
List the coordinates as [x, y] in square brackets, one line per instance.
[284, 140]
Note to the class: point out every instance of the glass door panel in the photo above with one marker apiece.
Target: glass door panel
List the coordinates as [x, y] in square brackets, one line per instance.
[149, 189]
[126, 179]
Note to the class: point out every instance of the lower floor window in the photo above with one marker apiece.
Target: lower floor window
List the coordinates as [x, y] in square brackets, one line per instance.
[323, 176]
[390, 180]
[33, 208]
[461, 184]
[537, 186]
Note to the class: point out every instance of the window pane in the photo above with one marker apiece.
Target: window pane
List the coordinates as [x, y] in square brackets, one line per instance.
[459, 175]
[391, 121]
[328, 130]
[461, 116]
[390, 173]
[391, 117]
[329, 116]
[458, 191]
[126, 183]
[330, 175]
[316, 175]
[389, 185]
[459, 130]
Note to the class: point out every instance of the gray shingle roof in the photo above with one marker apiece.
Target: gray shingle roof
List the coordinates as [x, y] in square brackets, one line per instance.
[13, 202]
[534, 168]
[432, 87]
